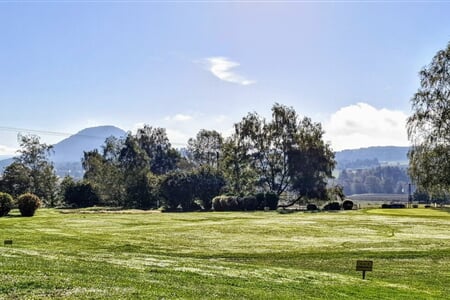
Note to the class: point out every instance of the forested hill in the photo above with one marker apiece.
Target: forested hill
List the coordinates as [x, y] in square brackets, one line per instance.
[371, 157]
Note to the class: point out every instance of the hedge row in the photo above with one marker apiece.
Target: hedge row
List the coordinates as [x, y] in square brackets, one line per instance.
[346, 205]
[251, 202]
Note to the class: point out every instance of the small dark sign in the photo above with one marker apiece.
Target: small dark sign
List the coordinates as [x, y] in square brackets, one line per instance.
[364, 265]
[7, 242]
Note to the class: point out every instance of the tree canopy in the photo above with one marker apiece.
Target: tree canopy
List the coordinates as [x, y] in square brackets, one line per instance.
[285, 154]
[429, 126]
[31, 171]
[280, 155]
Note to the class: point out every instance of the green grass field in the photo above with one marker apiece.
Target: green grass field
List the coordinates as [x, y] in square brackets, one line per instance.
[235, 255]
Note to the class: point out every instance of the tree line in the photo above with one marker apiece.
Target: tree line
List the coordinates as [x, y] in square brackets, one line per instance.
[283, 155]
[270, 157]
[385, 179]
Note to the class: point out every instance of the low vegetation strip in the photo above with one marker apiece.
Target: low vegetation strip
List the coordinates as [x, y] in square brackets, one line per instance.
[225, 255]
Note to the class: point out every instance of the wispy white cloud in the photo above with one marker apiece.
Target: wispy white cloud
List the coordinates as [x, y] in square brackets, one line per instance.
[362, 125]
[222, 68]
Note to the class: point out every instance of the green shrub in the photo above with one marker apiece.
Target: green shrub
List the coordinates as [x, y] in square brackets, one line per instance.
[232, 203]
[347, 205]
[217, 203]
[227, 203]
[80, 194]
[260, 200]
[207, 184]
[224, 202]
[28, 204]
[249, 203]
[271, 200]
[332, 206]
[6, 203]
[311, 207]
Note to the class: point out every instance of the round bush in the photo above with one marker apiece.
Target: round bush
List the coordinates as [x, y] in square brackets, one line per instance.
[28, 204]
[6, 203]
[311, 207]
[347, 205]
[249, 203]
[217, 203]
[260, 201]
[332, 206]
[233, 203]
[271, 200]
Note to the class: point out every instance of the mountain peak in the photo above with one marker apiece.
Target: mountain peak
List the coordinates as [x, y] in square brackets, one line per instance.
[101, 131]
[71, 149]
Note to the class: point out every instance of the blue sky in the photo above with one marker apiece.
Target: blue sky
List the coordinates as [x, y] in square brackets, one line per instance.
[353, 66]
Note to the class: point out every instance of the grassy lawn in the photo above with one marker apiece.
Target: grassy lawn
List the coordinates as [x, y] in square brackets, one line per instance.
[235, 255]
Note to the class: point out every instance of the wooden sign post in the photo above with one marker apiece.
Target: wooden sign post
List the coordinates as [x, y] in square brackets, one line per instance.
[364, 265]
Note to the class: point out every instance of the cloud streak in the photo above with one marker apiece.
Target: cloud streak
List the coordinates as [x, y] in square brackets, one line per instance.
[5, 150]
[362, 125]
[222, 68]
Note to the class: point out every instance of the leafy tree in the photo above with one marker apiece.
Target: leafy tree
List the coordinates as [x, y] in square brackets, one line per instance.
[311, 162]
[33, 161]
[140, 184]
[154, 141]
[106, 178]
[178, 189]
[143, 191]
[208, 183]
[80, 194]
[429, 126]
[285, 153]
[121, 175]
[268, 144]
[235, 164]
[16, 179]
[206, 148]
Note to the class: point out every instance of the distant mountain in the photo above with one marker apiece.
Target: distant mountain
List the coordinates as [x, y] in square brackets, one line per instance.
[372, 156]
[4, 163]
[67, 154]
[71, 149]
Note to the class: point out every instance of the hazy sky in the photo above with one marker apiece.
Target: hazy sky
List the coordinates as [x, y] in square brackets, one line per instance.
[353, 66]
